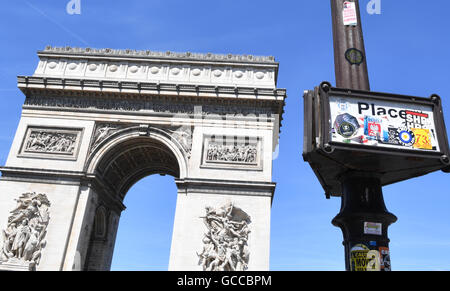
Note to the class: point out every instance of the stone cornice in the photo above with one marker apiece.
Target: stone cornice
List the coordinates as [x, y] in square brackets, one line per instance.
[6, 171]
[27, 83]
[61, 177]
[152, 55]
[206, 186]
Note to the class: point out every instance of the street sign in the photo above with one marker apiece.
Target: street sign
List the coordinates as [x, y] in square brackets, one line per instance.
[380, 123]
[396, 136]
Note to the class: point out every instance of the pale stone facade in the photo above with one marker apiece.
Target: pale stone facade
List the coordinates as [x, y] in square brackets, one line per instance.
[94, 122]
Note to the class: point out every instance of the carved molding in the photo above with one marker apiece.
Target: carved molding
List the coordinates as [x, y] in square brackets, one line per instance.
[24, 238]
[225, 244]
[224, 187]
[153, 54]
[47, 141]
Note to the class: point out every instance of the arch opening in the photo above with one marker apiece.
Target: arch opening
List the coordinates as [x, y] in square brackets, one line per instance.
[131, 160]
[145, 229]
[120, 167]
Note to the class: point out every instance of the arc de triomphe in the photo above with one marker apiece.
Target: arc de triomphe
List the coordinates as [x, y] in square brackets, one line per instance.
[94, 122]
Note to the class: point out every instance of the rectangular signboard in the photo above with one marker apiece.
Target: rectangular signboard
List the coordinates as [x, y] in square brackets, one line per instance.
[396, 136]
[382, 123]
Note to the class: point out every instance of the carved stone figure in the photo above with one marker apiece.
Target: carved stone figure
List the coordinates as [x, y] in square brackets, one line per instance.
[184, 136]
[232, 153]
[225, 243]
[51, 142]
[23, 239]
[103, 131]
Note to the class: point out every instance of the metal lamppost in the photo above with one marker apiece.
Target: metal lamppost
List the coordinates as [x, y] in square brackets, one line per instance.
[362, 203]
[357, 141]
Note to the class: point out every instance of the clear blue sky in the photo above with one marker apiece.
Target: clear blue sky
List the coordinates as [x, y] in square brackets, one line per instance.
[408, 49]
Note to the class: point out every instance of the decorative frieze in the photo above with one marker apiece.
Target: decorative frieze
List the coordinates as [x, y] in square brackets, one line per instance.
[225, 243]
[24, 237]
[55, 142]
[145, 105]
[232, 151]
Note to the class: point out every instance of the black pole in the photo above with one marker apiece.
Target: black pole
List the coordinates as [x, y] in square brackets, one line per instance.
[363, 219]
[350, 66]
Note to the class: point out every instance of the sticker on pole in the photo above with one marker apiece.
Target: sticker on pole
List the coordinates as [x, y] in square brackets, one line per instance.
[349, 13]
[372, 228]
[385, 259]
[354, 56]
[363, 259]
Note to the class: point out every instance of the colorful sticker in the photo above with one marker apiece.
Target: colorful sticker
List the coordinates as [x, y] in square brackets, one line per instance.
[346, 125]
[385, 259]
[372, 127]
[364, 259]
[406, 137]
[423, 139]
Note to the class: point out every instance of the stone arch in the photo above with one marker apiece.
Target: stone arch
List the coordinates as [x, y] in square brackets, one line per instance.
[130, 154]
[115, 164]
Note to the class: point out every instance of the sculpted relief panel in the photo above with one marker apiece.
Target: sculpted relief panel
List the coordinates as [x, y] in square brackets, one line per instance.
[234, 152]
[49, 141]
[226, 240]
[23, 239]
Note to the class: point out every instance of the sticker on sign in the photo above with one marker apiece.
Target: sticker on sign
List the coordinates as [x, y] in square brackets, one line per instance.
[349, 13]
[376, 123]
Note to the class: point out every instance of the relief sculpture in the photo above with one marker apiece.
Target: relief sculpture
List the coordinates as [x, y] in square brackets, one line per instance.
[226, 241]
[103, 131]
[23, 239]
[184, 136]
[232, 153]
[42, 141]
